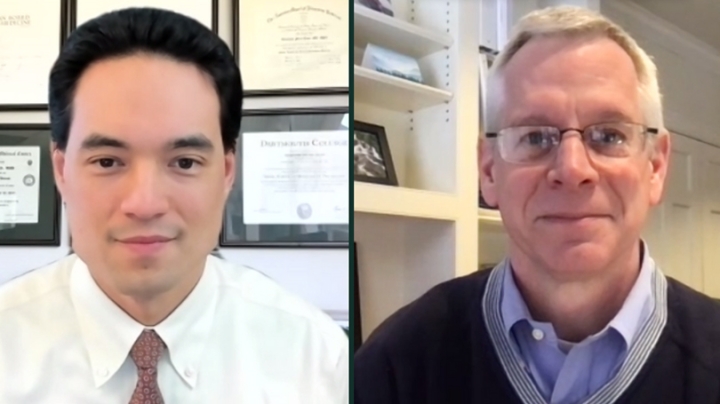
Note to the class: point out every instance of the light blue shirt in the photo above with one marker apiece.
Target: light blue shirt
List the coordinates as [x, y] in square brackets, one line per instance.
[563, 372]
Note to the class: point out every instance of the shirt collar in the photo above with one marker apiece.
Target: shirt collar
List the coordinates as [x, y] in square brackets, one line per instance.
[627, 322]
[109, 333]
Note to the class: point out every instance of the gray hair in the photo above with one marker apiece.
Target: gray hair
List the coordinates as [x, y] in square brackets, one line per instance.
[569, 21]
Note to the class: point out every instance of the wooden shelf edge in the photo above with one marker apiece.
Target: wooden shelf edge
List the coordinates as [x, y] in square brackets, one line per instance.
[395, 93]
[437, 38]
[407, 85]
[404, 202]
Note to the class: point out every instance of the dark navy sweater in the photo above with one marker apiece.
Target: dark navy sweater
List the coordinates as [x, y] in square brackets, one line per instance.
[436, 350]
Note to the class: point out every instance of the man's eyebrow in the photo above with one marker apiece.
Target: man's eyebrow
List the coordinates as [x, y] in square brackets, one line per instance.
[613, 116]
[531, 119]
[98, 141]
[198, 142]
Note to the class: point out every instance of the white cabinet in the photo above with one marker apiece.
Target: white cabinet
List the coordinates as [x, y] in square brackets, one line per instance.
[683, 232]
[710, 229]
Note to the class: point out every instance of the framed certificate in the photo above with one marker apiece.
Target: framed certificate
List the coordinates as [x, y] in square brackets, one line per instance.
[292, 46]
[292, 180]
[31, 36]
[29, 201]
[205, 11]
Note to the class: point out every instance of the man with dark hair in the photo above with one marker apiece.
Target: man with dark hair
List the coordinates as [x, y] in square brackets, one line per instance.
[145, 107]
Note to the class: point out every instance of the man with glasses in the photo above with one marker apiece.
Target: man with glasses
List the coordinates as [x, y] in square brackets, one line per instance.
[575, 155]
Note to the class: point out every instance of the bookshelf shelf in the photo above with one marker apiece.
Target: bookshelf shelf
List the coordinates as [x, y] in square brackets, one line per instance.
[401, 36]
[394, 93]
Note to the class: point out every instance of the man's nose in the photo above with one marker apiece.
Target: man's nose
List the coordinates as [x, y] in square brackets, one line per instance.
[145, 196]
[572, 165]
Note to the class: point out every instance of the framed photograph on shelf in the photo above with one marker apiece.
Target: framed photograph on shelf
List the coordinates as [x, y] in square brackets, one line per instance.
[29, 201]
[204, 11]
[31, 36]
[372, 158]
[291, 182]
[393, 63]
[304, 46]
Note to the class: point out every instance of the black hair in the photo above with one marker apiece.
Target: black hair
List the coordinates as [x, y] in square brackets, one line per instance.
[134, 30]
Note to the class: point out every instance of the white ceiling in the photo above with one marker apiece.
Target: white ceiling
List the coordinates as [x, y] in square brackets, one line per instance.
[699, 18]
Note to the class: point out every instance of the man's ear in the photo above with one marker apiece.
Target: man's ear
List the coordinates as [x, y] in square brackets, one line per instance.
[486, 162]
[230, 171]
[58, 163]
[659, 161]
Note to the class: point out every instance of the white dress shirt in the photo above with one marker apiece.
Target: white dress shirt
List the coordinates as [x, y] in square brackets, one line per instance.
[237, 338]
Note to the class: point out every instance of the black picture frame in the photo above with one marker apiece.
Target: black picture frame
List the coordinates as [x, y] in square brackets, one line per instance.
[357, 311]
[73, 14]
[275, 92]
[49, 214]
[379, 146]
[64, 4]
[307, 240]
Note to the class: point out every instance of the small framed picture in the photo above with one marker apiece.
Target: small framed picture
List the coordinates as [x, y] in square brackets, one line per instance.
[390, 62]
[373, 160]
[29, 201]
[292, 194]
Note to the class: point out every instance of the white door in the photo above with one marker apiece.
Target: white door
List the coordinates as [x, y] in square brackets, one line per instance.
[711, 220]
[675, 230]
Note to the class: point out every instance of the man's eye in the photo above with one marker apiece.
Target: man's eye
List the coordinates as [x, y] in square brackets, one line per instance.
[537, 138]
[186, 163]
[105, 162]
[609, 136]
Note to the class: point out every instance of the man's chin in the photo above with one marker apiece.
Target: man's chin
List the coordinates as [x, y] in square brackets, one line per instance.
[577, 260]
[143, 282]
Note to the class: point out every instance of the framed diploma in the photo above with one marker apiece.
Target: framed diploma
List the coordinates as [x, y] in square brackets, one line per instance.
[29, 201]
[292, 181]
[205, 11]
[292, 46]
[31, 36]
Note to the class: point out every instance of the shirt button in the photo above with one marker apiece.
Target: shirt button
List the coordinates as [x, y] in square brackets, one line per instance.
[102, 372]
[538, 334]
[189, 372]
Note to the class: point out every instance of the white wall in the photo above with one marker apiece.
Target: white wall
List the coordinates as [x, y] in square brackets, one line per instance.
[318, 275]
[689, 70]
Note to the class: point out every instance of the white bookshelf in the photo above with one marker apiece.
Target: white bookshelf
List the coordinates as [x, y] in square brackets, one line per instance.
[394, 93]
[404, 202]
[405, 37]
[424, 231]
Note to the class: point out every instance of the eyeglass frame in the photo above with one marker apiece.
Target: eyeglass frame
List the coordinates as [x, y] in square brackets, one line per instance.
[495, 135]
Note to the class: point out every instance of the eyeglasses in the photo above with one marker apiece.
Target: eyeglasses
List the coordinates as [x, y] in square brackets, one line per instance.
[535, 144]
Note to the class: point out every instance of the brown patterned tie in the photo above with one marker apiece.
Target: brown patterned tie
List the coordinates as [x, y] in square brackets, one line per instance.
[146, 354]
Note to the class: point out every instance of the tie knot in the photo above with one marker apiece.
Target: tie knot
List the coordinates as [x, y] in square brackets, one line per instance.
[147, 350]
